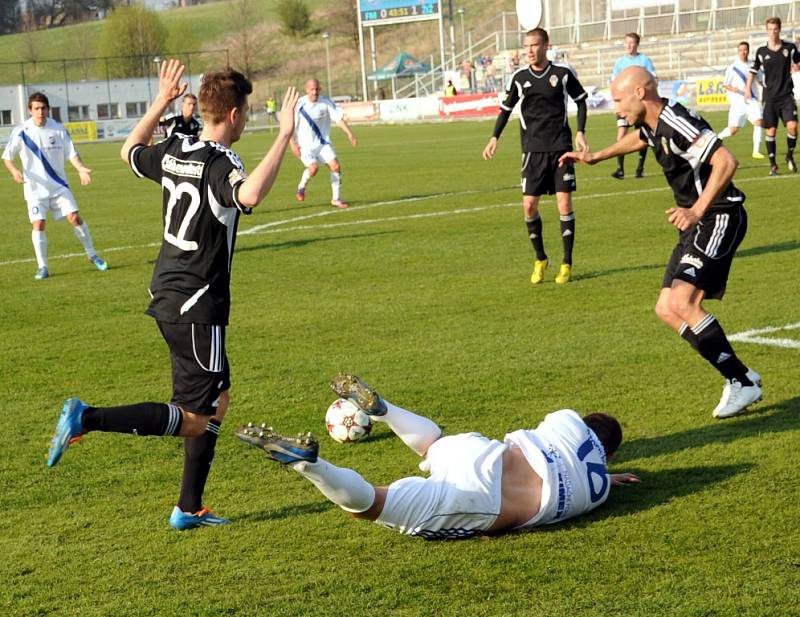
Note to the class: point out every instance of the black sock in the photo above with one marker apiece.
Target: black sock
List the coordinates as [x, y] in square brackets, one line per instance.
[568, 235]
[689, 336]
[642, 157]
[198, 452]
[771, 149]
[141, 419]
[535, 234]
[621, 162]
[791, 143]
[713, 345]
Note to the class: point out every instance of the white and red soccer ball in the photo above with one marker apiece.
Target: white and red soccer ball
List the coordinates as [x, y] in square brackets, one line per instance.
[346, 422]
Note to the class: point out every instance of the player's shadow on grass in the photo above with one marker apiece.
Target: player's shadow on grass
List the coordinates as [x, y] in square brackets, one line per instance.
[292, 244]
[287, 512]
[754, 251]
[774, 418]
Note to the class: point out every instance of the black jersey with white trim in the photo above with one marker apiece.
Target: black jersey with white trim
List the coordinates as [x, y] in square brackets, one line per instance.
[683, 144]
[777, 67]
[176, 123]
[200, 181]
[543, 108]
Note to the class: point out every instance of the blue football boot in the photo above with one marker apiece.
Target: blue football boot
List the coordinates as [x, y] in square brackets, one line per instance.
[68, 430]
[182, 521]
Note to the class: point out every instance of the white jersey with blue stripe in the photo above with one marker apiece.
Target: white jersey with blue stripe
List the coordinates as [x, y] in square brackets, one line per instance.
[571, 461]
[44, 150]
[312, 121]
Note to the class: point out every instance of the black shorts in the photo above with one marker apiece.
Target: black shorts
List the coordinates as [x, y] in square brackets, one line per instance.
[704, 253]
[784, 109]
[200, 370]
[541, 174]
[622, 122]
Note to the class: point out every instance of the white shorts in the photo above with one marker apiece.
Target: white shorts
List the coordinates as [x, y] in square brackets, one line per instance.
[59, 206]
[321, 154]
[460, 499]
[740, 111]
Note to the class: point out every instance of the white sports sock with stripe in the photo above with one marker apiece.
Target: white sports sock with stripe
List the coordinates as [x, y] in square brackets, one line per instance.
[39, 239]
[417, 432]
[304, 179]
[336, 186]
[85, 238]
[344, 487]
[757, 132]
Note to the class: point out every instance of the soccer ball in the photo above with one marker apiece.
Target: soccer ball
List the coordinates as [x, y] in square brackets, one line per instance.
[346, 422]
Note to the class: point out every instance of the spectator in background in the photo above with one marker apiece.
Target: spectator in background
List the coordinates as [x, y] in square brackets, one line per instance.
[450, 89]
[491, 79]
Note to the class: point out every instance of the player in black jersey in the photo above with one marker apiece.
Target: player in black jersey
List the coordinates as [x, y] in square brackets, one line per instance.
[542, 89]
[205, 188]
[186, 122]
[776, 59]
[709, 213]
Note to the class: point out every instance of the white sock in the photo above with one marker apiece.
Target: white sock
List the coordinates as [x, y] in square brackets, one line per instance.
[757, 132]
[39, 239]
[726, 132]
[82, 233]
[344, 487]
[417, 432]
[304, 179]
[336, 186]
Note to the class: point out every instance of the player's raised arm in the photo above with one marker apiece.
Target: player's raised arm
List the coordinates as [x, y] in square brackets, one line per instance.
[169, 88]
[260, 181]
[632, 142]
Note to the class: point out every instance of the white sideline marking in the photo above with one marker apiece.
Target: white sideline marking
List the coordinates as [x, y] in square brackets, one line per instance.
[271, 227]
[750, 336]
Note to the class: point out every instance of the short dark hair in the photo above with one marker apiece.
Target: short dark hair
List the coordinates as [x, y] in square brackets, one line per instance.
[773, 20]
[189, 96]
[745, 43]
[38, 97]
[222, 91]
[541, 33]
[607, 429]
[635, 36]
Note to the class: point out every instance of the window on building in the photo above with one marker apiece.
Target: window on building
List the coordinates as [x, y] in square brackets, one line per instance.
[5, 117]
[77, 113]
[135, 110]
[55, 113]
[107, 111]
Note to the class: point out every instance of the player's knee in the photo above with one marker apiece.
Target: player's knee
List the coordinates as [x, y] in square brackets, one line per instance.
[334, 166]
[74, 219]
[663, 311]
[193, 424]
[38, 225]
[679, 306]
[223, 402]
[313, 169]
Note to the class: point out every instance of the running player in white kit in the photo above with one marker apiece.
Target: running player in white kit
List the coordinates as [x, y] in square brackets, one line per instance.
[43, 146]
[311, 142]
[476, 485]
[735, 85]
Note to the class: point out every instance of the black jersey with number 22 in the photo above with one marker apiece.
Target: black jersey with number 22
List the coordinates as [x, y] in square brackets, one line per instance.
[200, 181]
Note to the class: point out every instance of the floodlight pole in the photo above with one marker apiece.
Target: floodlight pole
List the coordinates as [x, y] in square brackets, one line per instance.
[461, 11]
[452, 20]
[326, 36]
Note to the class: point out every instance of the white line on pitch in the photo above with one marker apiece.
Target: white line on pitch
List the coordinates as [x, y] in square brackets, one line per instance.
[751, 336]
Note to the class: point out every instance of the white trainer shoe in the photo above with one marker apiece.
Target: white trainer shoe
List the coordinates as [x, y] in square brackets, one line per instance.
[736, 398]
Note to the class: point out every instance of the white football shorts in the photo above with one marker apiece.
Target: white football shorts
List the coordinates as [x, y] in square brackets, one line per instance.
[739, 111]
[321, 154]
[460, 499]
[59, 206]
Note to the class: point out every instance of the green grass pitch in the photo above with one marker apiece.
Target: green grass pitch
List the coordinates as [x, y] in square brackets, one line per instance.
[422, 288]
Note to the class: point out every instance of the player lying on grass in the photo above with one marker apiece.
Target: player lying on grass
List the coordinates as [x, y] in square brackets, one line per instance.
[477, 485]
[709, 214]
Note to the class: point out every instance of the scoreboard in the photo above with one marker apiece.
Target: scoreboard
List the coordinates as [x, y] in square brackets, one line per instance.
[383, 12]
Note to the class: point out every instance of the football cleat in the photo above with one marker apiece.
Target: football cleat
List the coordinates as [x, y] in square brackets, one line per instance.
[564, 274]
[338, 203]
[773, 171]
[182, 521]
[619, 173]
[539, 266]
[68, 430]
[285, 450]
[758, 155]
[41, 274]
[99, 263]
[736, 398]
[300, 194]
[359, 393]
[791, 164]
[754, 377]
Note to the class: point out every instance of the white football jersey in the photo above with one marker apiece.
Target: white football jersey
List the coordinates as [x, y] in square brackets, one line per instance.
[44, 151]
[312, 121]
[571, 461]
[736, 77]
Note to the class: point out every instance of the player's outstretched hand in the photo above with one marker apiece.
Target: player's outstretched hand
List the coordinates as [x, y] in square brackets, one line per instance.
[18, 177]
[169, 80]
[286, 115]
[620, 479]
[86, 176]
[682, 218]
[353, 140]
[490, 149]
[581, 143]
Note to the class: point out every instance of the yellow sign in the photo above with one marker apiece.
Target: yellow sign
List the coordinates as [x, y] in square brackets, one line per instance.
[711, 92]
[82, 131]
